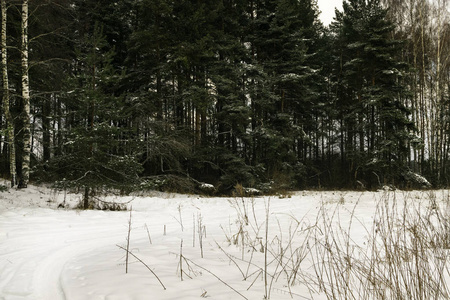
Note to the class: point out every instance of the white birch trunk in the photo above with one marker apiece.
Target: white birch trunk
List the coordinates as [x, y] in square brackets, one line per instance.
[26, 100]
[9, 119]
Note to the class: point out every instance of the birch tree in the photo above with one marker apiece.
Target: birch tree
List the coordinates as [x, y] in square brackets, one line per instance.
[25, 174]
[6, 98]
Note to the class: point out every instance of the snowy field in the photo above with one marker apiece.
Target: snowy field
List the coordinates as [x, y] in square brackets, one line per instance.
[310, 245]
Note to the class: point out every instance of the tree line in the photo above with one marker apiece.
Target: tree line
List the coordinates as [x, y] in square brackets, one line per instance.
[168, 95]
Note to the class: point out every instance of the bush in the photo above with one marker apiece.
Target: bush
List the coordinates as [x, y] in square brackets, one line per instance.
[168, 183]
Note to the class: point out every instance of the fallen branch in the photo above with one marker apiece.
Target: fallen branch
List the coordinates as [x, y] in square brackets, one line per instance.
[109, 202]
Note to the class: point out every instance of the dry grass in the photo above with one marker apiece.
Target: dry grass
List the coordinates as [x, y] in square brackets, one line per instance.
[404, 254]
[332, 253]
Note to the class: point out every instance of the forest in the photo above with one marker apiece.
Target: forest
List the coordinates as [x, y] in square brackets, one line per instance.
[180, 95]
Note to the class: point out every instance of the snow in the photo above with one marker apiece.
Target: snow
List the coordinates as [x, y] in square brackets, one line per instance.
[206, 186]
[251, 191]
[51, 253]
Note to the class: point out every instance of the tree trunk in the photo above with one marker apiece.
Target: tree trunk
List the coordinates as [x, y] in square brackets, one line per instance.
[26, 100]
[9, 119]
[197, 127]
[86, 198]
[46, 127]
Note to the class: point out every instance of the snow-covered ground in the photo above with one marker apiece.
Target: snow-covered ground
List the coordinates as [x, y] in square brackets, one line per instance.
[58, 253]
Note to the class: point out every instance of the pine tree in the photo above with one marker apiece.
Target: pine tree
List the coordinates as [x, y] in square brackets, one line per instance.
[51, 38]
[158, 81]
[282, 90]
[231, 151]
[375, 121]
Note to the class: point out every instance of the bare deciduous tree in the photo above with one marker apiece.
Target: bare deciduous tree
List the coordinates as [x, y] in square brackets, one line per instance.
[6, 98]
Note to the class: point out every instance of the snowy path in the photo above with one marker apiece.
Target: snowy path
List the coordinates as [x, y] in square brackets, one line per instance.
[33, 254]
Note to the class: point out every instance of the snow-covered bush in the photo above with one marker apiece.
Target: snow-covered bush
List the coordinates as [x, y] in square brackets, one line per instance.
[416, 180]
[252, 192]
[207, 188]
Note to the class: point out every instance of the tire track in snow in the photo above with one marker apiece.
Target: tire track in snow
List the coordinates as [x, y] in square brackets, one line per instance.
[33, 259]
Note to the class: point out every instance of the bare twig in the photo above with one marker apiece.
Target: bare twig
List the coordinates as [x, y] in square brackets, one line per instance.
[233, 260]
[148, 233]
[266, 294]
[206, 270]
[200, 233]
[181, 260]
[128, 241]
[143, 264]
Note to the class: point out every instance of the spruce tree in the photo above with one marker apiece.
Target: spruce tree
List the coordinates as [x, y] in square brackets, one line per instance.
[98, 152]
